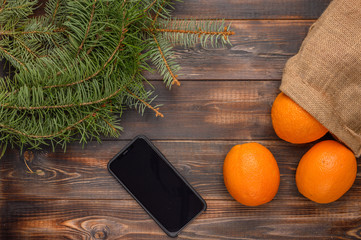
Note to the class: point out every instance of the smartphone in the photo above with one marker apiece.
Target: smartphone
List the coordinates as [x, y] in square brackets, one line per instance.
[156, 185]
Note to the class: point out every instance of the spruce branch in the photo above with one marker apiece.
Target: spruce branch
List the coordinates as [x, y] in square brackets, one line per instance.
[225, 33]
[10, 33]
[166, 67]
[31, 52]
[54, 12]
[63, 106]
[150, 5]
[155, 109]
[82, 62]
[16, 10]
[49, 135]
[117, 49]
[190, 32]
[12, 58]
[88, 28]
[160, 9]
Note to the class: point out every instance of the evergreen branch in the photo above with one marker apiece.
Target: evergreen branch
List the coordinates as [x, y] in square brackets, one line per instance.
[55, 11]
[10, 33]
[98, 71]
[190, 32]
[49, 135]
[124, 1]
[81, 59]
[78, 40]
[109, 124]
[225, 33]
[63, 106]
[158, 12]
[9, 8]
[26, 47]
[156, 110]
[2, 5]
[13, 12]
[88, 28]
[13, 57]
[174, 77]
[150, 6]
[87, 78]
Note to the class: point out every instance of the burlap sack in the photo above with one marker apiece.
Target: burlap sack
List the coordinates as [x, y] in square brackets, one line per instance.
[325, 76]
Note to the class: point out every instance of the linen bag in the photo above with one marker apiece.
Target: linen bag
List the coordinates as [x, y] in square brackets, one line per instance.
[324, 77]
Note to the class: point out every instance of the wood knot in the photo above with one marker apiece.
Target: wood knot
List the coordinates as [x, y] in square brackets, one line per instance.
[28, 156]
[100, 231]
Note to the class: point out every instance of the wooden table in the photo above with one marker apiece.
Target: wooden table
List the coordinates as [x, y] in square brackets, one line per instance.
[225, 99]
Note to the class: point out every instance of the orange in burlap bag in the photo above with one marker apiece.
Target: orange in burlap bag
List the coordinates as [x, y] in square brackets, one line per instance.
[324, 77]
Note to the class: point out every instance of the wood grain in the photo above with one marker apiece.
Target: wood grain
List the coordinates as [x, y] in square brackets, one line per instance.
[114, 219]
[259, 51]
[207, 110]
[250, 9]
[82, 173]
[225, 99]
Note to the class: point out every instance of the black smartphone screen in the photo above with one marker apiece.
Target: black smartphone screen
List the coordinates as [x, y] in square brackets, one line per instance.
[156, 185]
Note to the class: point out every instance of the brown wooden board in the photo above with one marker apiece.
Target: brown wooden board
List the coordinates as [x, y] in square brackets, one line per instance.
[225, 99]
[82, 173]
[207, 110]
[259, 51]
[250, 9]
[114, 219]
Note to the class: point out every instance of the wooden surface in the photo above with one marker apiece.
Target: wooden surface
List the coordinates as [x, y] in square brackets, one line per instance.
[225, 99]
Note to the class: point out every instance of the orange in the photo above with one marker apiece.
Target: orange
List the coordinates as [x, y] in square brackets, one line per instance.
[292, 123]
[326, 172]
[251, 174]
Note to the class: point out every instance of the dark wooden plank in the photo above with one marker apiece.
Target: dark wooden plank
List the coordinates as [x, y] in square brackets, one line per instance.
[207, 110]
[242, 9]
[250, 9]
[259, 51]
[82, 173]
[114, 219]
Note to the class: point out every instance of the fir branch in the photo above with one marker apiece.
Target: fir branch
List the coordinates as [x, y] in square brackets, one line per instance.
[117, 49]
[174, 77]
[80, 60]
[55, 11]
[2, 5]
[225, 33]
[156, 110]
[13, 57]
[98, 71]
[63, 106]
[49, 99]
[190, 32]
[124, 1]
[88, 28]
[109, 124]
[158, 12]
[10, 33]
[26, 47]
[49, 135]
[150, 5]
[11, 8]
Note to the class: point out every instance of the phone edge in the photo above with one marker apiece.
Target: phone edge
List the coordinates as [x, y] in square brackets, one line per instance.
[170, 234]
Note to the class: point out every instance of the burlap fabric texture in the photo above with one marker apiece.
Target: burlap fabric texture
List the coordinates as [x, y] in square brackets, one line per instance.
[324, 77]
